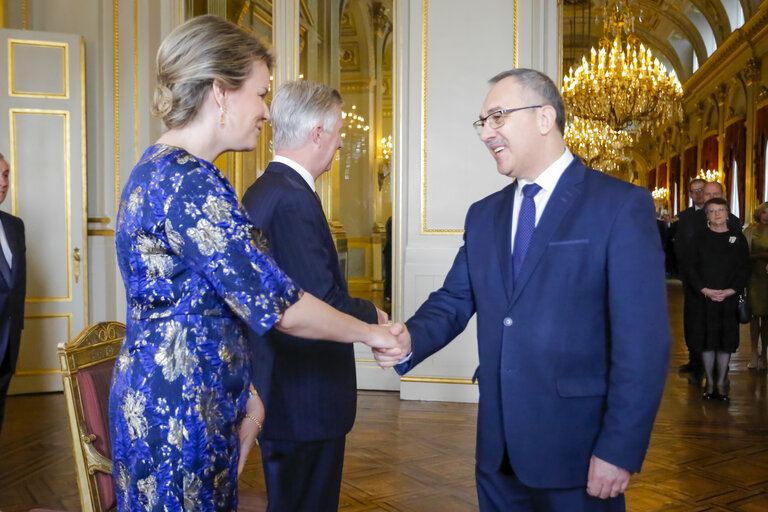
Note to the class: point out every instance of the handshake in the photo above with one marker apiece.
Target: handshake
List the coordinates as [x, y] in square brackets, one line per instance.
[389, 342]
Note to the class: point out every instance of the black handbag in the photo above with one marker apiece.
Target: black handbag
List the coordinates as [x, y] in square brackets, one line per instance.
[744, 309]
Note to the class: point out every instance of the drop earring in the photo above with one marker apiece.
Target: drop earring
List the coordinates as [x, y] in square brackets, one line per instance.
[223, 116]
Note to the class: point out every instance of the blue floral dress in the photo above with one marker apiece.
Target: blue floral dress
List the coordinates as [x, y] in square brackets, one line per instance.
[194, 279]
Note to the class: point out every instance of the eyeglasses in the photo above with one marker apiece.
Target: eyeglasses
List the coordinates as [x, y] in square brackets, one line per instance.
[697, 190]
[496, 119]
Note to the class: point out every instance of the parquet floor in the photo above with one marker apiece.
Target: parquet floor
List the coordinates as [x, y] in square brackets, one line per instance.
[418, 456]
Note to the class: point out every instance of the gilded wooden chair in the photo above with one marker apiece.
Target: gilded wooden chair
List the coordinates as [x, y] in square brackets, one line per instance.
[86, 368]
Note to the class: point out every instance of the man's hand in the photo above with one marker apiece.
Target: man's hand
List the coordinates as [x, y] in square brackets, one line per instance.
[388, 358]
[379, 337]
[606, 480]
[383, 316]
[249, 429]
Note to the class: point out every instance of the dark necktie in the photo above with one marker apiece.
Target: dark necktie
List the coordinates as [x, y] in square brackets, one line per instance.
[526, 223]
[5, 269]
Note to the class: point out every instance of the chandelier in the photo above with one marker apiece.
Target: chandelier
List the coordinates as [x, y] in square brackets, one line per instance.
[660, 194]
[623, 86]
[599, 146]
[710, 175]
[354, 131]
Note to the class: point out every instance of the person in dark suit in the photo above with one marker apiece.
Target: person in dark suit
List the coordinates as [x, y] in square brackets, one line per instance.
[13, 285]
[690, 221]
[308, 387]
[565, 272]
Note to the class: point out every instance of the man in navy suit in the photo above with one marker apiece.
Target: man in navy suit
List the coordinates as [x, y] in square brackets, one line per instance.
[308, 387]
[565, 271]
[13, 282]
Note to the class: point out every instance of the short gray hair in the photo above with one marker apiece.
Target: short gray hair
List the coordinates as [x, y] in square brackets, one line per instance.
[2, 157]
[298, 107]
[541, 85]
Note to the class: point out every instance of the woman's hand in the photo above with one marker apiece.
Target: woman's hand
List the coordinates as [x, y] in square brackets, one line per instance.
[379, 337]
[250, 428]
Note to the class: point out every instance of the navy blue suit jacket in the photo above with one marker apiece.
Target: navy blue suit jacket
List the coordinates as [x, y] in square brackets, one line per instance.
[12, 294]
[308, 387]
[573, 357]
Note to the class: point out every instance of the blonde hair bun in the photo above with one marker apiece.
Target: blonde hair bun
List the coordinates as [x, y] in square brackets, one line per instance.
[163, 101]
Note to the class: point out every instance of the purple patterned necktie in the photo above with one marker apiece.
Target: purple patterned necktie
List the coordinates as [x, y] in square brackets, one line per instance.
[526, 223]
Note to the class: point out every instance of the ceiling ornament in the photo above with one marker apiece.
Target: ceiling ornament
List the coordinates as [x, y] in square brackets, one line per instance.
[618, 94]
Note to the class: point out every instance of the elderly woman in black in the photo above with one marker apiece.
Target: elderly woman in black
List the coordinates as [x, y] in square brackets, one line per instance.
[718, 266]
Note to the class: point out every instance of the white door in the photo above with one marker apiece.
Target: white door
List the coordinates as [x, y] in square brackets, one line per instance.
[42, 135]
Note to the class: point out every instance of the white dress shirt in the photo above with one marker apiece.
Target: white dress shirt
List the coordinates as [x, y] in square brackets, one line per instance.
[547, 180]
[298, 168]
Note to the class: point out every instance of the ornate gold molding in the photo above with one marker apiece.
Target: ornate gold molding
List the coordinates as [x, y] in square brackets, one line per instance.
[753, 29]
[116, 93]
[425, 230]
[64, 94]
[64, 114]
[84, 178]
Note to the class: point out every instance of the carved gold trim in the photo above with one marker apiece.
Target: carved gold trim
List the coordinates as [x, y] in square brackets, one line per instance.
[99, 220]
[425, 230]
[437, 380]
[515, 34]
[24, 14]
[13, 112]
[116, 93]
[12, 69]
[84, 177]
[95, 344]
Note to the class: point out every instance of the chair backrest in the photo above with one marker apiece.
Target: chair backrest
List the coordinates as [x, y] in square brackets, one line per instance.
[86, 368]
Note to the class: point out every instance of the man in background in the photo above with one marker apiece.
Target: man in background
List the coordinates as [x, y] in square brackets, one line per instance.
[13, 283]
[309, 388]
[690, 221]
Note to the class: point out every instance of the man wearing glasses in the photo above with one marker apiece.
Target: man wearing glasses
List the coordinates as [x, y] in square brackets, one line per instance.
[690, 221]
[565, 271]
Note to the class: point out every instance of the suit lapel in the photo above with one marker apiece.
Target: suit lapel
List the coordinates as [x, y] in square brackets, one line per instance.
[291, 175]
[10, 236]
[566, 193]
[503, 225]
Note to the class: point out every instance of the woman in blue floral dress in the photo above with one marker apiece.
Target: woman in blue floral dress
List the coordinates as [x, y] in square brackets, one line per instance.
[194, 279]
